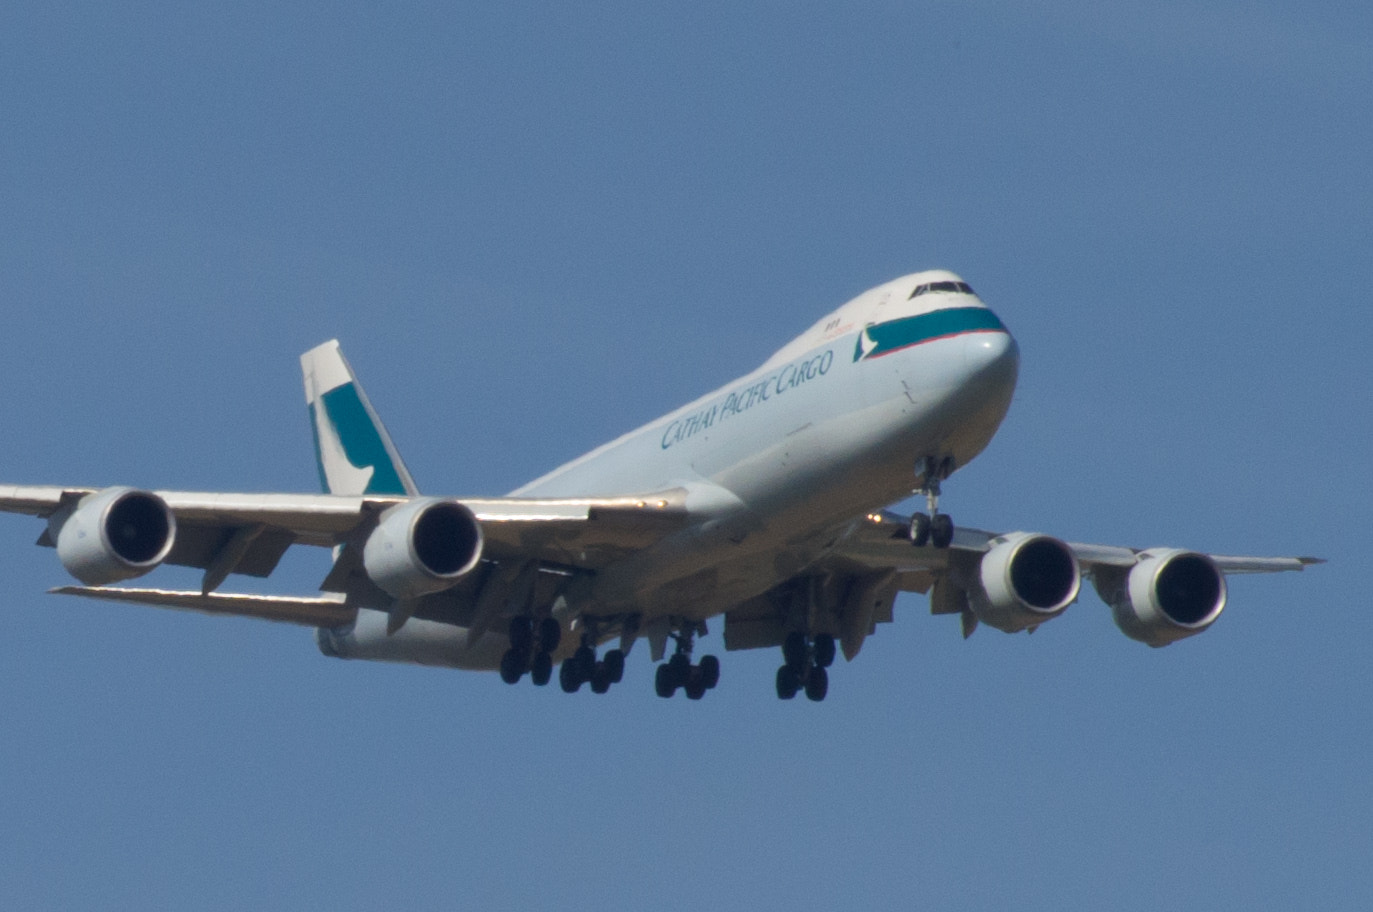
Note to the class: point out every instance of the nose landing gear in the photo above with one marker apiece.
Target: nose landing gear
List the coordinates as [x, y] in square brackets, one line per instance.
[933, 528]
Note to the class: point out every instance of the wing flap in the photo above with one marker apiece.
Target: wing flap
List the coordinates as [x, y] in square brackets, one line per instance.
[1230, 565]
[201, 545]
[36, 500]
[326, 611]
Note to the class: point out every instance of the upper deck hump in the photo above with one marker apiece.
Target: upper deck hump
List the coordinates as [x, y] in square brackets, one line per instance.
[910, 294]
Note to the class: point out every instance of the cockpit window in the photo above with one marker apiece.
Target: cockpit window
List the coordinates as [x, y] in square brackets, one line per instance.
[947, 287]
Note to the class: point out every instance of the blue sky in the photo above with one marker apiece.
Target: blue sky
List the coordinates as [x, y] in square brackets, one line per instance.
[534, 228]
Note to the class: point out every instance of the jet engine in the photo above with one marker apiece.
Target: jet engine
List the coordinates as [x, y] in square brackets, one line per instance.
[1168, 595]
[112, 535]
[422, 546]
[1025, 580]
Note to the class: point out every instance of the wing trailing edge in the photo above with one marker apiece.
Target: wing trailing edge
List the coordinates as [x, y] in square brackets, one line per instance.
[316, 611]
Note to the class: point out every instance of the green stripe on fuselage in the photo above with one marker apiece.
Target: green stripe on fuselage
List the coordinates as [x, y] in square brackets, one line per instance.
[884, 338]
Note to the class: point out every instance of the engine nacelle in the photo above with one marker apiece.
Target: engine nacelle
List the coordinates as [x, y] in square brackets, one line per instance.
[1025, 580]
[1168, 595]
[112, 535]
[422, 546]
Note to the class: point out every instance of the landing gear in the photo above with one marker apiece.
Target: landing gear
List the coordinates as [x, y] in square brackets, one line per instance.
[541, 671]
[933, 528]
[584, 668]
[678, 671]
[804, 664]
[531, 649]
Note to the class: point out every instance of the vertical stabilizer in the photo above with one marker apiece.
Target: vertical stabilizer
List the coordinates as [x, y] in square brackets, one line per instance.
[354, 453]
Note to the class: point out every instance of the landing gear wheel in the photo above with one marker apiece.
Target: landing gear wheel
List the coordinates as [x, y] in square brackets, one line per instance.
[794, 650]
[817, 685]
[920, 530]
[824, 650]
[513, 665]
[600, 679]
[521, 634]
[550, 634]
[710, 671]
[663, 683]
[542, 669]
[788, 682]
[570, 676]
[615, 665]
[695, 685]
[941, 530]
[585, 661]
[679, 666]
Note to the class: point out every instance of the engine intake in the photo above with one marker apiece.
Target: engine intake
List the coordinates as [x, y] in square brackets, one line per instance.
[422, 546]
[113, 535]
[1168, 595]
[1025, 580]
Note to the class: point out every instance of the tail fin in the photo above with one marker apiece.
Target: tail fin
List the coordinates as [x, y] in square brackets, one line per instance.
[354, 453]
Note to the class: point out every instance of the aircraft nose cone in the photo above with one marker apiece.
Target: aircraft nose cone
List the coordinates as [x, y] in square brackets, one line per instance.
[992, 357]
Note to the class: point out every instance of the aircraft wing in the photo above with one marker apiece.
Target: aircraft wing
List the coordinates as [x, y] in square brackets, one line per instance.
[248, 534]
[1012, 581]
[880, 543]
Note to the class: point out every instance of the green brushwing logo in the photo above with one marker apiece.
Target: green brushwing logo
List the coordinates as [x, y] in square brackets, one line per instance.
[881, 339]
[359, 439]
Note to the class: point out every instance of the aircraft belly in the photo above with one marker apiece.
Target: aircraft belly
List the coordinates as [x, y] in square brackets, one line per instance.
[419, 642]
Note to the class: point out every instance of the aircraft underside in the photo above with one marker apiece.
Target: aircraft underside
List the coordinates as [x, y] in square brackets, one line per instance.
[756, 510]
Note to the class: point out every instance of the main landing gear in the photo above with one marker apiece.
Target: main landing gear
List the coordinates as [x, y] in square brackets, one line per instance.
[679, 672]
[804, 666]
[531, 649]
[584, 668]
[933, 528]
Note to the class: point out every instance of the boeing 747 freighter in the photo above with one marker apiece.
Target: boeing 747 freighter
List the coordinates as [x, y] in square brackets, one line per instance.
[759, 510]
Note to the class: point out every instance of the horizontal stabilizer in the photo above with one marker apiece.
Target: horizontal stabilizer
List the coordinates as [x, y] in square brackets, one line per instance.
[308, 611]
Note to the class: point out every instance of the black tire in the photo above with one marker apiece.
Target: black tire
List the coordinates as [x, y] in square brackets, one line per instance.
[788, 682]
[570, 677]
[941, 530]
[550, 634]
[541, 672]
[521, 634]
[615, 665]
[817, 684]
[794, 651]
[696, 685]
[663, 684]
[679, 667]
[600, 678]
[710, 671]
[512, 667]
[920, 530]
[585, 660]
[824, 650]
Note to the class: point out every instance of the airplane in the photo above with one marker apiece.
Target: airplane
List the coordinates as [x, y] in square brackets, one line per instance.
[763, 505]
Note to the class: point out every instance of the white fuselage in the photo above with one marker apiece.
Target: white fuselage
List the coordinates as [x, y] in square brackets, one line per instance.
[777, 462]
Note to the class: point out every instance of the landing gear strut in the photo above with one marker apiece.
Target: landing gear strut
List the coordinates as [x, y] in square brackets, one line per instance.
[679, 672]
[584, 668]
[804, 666]
[933, 528]
[531, 649]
